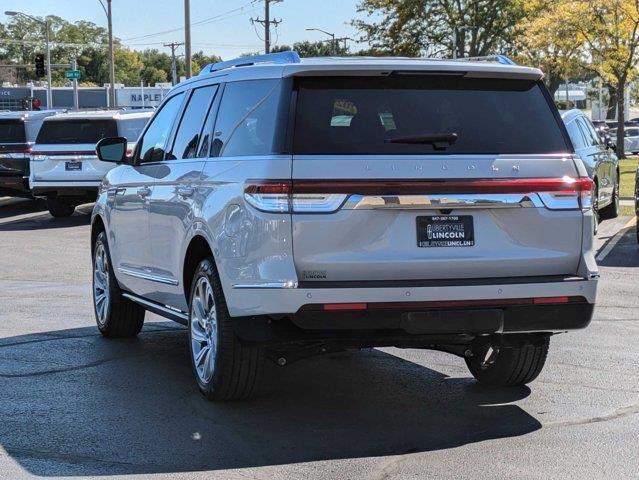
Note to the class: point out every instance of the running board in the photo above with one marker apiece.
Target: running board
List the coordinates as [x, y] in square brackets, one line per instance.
[162, 310]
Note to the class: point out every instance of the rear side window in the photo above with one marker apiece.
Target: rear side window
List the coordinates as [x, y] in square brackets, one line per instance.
[247, 119]
[76, 131]
[187, 137]
[369, 115]
[576, 136]
[12, 131]
[592, 137]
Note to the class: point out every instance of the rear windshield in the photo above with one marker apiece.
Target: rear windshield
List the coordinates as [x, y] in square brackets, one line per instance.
[76, 131]
[12, 131]
[382, 115]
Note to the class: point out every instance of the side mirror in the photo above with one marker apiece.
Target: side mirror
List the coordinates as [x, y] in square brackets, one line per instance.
[112, 149]
[610, 144]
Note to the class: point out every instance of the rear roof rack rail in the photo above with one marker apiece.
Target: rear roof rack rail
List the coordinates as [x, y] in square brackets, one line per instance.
[503, 59]
[279, 58]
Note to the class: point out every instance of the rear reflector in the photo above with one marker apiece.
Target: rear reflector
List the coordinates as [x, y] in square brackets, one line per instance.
[325, 196]
[495, 303]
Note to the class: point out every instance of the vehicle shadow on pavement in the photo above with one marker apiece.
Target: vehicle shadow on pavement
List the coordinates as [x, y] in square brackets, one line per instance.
[46, 222]
[20, 206]
[74, 403]
[625, 252]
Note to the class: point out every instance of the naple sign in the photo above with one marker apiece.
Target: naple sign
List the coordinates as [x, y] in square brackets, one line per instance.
[134, 97]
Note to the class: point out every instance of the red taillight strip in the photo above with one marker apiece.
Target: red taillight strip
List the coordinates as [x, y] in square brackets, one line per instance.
[504, 302]
[417, 187]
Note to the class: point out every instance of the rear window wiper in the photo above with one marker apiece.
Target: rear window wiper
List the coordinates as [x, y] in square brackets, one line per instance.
[439, 141]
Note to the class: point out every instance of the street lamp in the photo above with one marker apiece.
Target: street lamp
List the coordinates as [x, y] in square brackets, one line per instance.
[108, 13]
[45, 23]
[332, 35]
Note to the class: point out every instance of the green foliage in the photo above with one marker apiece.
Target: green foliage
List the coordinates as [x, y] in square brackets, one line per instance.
[314, 49]
[429, 27]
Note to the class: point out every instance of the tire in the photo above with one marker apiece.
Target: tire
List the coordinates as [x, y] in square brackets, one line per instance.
[612, 210]
[116, 316]
[59, 208]
[224, 367]
[514, 366]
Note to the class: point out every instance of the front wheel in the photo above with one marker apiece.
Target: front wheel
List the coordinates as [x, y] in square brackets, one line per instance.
[59, 208]
[512, 365]
[224, 367]
[116, 315]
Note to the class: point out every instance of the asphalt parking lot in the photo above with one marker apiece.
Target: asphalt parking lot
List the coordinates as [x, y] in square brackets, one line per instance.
[75, 404]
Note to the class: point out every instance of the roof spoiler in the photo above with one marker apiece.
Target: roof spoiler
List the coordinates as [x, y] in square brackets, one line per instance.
[503, 59]
[280, 58]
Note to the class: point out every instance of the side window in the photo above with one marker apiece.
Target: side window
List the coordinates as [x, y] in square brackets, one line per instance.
[577, 138]
[154, 139]
[188, 133]
[247, 119]
[591, 133]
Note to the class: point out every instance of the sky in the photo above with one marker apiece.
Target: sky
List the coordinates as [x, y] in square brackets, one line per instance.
[225, 30]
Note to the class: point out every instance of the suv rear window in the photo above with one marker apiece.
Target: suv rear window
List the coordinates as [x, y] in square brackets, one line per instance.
[359, 115]
[76, 131]
[12, 131]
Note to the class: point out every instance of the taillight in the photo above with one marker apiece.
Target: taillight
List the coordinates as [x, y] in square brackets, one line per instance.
[325, 196]
[280, 196]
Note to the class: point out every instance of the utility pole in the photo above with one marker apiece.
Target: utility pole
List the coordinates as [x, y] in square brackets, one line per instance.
[112, 101]
[173, 46]
[267, 22]
[187, 38]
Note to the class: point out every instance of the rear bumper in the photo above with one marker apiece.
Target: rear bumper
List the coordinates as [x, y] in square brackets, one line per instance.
[246, 301]
[85, 189]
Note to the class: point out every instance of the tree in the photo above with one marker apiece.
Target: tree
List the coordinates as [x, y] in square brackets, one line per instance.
[544, 41]
[434, 27]
[314, 49]
[610, 30]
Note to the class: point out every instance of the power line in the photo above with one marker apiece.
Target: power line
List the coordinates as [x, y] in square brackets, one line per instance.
[266, 23]
[204, 21]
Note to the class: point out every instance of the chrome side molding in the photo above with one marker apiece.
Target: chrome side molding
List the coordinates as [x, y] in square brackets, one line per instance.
[147, 276]
[162, 310]
[288, 284]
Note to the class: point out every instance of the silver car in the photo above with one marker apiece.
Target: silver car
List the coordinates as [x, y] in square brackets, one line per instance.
[600, 160]
[282, 208]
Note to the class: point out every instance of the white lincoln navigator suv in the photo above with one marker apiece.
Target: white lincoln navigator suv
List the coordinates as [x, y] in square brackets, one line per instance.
[281, 207]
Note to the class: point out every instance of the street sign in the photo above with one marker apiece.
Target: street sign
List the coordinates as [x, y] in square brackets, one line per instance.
[72, 74]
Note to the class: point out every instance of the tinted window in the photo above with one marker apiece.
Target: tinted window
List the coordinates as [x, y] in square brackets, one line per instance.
[131, 128]
[577, 138]
[188, 133]
[76, 131]
[592, 137]
[152, 144]
[247, 118]
[360, 115]
[633, 132]
[12, 131]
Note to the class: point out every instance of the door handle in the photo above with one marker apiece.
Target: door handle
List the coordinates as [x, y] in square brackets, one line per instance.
[185, 191]
[144, 191]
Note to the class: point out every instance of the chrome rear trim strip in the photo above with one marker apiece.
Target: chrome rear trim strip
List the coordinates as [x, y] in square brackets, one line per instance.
[289, 284]
[441, 202]
[148, 276]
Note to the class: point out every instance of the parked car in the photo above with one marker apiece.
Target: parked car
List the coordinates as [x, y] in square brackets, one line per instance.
[600, 160]
[18, 131]
[631, 139]
[64, 167]
[601, 126]
[428, 219]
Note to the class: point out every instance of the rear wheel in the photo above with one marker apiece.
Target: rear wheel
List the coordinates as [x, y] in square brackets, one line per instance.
[115, 315]
[60, 208]
[612, 210]
[512, 366]
[225, 368]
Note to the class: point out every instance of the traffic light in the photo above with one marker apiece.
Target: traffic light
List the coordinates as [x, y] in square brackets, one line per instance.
[39, 65]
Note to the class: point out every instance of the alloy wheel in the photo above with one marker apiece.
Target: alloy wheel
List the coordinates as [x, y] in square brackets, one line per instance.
[101, 284]
[203, 329]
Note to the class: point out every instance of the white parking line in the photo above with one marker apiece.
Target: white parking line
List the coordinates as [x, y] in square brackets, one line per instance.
[611, 244]
[24, 216]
